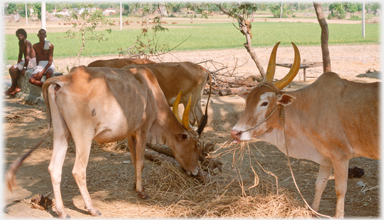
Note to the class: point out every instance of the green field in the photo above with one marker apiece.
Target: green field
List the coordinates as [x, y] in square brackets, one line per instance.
[210, 36]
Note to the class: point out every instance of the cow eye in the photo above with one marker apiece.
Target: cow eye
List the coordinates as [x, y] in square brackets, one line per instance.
[264, 104]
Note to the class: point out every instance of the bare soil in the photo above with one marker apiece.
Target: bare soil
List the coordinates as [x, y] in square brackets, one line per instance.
[110, 178]
[110, 175]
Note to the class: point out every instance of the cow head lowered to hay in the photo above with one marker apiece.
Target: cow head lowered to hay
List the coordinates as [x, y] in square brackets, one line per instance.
[107, 105]
[329, 122]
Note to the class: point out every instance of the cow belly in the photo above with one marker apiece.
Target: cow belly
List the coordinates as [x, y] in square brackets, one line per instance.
[111, 133]
[105, 121]
[298, 147]
[116, 126]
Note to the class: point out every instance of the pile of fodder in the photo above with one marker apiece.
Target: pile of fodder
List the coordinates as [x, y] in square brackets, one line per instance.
[238, 191]
[225, 195]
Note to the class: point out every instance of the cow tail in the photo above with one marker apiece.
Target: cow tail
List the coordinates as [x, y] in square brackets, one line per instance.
[205, 118]
[10, 176]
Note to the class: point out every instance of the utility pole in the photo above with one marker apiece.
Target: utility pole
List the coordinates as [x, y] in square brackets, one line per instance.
[121, 16]
[281, 10]
[26, 14]
[363, 18]
[43, 19]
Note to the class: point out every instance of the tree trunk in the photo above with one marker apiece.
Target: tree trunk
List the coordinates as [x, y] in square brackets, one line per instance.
[324, 37]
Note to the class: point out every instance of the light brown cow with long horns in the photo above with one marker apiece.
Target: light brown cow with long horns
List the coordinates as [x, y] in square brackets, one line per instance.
[329, 122]
[173, 77]
[107, 105]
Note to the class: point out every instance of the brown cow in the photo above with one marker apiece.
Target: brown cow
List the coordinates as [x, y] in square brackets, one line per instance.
[329, 122]
[80, 106]
[173, 77]
[187, 77]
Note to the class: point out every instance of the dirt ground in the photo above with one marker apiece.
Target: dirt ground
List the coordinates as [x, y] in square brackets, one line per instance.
[110, 175]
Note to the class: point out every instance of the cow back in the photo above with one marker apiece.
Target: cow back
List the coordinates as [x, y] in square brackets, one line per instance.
[118, 63]
[173, 77]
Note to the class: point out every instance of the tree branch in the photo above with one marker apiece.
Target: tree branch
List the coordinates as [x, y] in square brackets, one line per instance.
[245, 29]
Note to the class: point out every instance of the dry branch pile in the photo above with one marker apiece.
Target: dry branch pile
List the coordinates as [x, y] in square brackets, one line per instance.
[225, 81]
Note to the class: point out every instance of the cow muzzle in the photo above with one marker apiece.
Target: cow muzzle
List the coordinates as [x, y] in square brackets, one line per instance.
[193, 173]
[236, 136]
[201, 176]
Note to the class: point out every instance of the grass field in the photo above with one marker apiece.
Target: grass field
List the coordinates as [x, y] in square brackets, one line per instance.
[209, 36]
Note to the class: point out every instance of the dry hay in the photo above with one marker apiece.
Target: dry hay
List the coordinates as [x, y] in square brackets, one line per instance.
[223, 196]
[234, 192]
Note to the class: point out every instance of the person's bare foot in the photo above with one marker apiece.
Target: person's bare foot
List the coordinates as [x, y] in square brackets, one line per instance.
[16, 90]
[9, 91]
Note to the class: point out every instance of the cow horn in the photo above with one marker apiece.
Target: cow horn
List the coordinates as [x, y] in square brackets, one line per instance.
[271, 65]
[186, 115]
[292, 73]
[175, 107]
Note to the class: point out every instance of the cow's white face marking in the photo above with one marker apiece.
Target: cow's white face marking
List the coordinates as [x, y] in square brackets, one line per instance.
[263, 105]
[259, 114]
[266, 96]
[264, 100]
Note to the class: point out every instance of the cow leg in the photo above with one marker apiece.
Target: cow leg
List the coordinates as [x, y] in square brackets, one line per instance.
[138, 147]
[60, 145]
[321, 183]
[340, 166]
[132, 148]
[61, 136]
[83, 148]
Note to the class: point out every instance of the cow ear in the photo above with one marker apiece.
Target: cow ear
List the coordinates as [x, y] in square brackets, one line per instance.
[285, 99]
[243, 94]
[182, 136]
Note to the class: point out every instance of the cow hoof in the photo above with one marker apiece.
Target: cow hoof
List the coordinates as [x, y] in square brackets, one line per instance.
[143, 195]
[94, 213]
[64, 216]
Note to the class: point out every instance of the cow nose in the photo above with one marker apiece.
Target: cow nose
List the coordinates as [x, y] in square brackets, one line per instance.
[202, 176]
[235, 134]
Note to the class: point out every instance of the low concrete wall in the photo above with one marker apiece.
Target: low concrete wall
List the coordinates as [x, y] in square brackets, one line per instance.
[29, 92]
